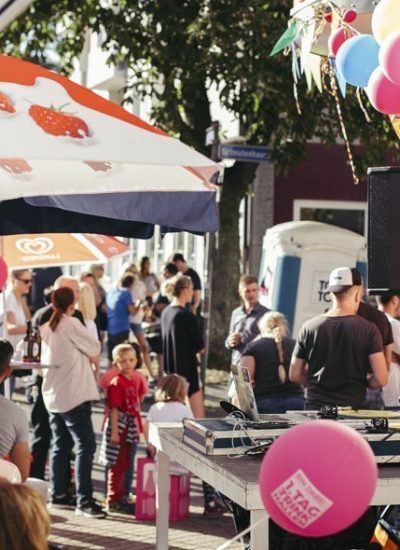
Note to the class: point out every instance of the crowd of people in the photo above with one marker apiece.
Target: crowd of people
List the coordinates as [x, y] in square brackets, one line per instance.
[75, 317]
[348, 356]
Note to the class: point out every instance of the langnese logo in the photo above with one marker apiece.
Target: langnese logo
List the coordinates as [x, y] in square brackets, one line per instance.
[299, 499]
[37, 246]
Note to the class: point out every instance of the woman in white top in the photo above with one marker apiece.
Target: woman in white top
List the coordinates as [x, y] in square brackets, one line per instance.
[149, 279]
[68, 390]
[138, 292]
[16, 308]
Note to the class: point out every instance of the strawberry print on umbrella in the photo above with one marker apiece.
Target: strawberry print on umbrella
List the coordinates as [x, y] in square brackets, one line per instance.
[58, 123]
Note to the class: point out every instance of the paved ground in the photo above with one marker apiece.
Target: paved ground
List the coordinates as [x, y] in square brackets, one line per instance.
[124, 532]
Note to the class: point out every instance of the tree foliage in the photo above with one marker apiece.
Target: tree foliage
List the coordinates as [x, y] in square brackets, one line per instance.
[177, 50]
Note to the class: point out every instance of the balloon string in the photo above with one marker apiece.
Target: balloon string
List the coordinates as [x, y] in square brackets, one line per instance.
[242, 533]
[334, 92]
[362, 106]
[296, 98]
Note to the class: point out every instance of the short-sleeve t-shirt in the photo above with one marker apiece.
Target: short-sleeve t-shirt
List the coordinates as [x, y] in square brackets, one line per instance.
[266, 378]
[171, 411]
[378, 318]
[182, 339]
[117, 301]
[126, 394]
[14, 427]
[337, 350]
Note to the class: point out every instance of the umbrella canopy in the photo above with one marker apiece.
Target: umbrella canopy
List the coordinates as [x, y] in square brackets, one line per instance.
[73, 161]
[56, 249]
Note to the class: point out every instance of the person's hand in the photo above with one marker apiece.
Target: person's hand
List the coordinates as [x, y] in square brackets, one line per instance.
[234, 339]
[150, 451]
[114, 440]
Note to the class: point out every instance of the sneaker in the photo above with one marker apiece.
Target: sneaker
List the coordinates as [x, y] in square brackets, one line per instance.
[90, 509]
[214, 508]
[120, 507]
[130, 499]
[67, 501]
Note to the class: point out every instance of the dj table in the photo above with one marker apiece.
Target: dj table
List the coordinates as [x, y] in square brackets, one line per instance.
[236, 478]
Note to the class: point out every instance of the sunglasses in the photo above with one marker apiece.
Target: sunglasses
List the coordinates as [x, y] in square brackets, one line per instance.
[26, 281]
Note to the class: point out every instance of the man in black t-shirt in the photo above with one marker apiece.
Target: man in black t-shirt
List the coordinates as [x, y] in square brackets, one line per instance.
[338, 347]
[182, 266]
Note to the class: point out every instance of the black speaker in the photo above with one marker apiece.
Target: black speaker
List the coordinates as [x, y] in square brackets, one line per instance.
[383, 230]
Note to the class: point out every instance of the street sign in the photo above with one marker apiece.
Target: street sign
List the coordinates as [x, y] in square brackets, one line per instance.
[245, 153]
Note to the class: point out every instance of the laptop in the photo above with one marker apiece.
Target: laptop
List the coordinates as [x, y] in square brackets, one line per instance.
[244, 392]
[247, 401]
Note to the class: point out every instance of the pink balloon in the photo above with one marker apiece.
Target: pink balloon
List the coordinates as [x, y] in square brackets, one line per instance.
[336, 39]
[389, 57]
[318, 478]
[3, 273]
[9, 471]
[383, 94]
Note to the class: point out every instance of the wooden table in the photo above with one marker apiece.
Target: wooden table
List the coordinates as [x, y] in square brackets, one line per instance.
[236, 478]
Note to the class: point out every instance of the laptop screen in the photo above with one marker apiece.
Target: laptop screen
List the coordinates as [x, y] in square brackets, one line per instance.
[244, 390]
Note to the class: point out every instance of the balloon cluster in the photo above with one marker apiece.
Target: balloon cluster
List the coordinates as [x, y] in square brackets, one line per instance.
[372, 61]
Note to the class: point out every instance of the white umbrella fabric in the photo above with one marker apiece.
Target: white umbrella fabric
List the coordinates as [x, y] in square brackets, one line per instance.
[72, 161]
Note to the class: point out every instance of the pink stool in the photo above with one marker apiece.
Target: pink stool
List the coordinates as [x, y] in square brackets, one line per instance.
[179, 493]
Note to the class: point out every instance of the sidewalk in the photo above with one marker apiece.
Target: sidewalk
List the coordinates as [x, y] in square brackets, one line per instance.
[124, 532]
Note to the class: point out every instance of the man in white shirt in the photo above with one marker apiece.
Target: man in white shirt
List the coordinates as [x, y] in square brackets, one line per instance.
[389, 303]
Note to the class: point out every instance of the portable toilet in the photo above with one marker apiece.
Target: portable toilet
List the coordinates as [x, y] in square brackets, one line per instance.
[296, 260]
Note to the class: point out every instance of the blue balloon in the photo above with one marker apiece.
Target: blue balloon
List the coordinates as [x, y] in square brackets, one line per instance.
[357, 58]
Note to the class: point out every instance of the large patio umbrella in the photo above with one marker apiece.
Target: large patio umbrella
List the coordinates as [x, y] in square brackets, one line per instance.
[72, 161]
[57, 249]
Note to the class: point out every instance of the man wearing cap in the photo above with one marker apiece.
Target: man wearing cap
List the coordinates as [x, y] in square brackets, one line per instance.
[338, 348]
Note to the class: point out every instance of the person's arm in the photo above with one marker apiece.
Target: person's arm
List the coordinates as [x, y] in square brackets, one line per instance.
[133, 308]
[298, 372]
[114, 426]
[232, 340]
[249, 362]
[194, 331]
[12, 327]
[196, 301]
[379, 376]
[20, 456]
[387, 350]
[84, 340]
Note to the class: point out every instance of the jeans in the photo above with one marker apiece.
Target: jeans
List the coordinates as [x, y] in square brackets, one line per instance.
[279, 405]
[130, 472]
[71, 428]
[41, 433]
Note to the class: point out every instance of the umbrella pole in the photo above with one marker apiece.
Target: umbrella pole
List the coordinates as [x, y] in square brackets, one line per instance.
[7, 384]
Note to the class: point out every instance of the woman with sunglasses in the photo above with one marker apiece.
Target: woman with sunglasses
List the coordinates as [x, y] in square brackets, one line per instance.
[16, 308]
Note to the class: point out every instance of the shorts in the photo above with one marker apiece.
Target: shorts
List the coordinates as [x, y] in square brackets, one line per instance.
[136, 328]
[115, 339]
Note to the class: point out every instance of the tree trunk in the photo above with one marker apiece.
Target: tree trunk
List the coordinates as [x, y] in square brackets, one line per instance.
[226, 261]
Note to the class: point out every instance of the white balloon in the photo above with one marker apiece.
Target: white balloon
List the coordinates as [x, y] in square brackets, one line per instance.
[9, 471]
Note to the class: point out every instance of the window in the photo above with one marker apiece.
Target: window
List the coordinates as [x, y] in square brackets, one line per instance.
[350, 215]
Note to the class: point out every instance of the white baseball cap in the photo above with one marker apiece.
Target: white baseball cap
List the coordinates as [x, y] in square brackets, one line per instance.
[343, 278]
